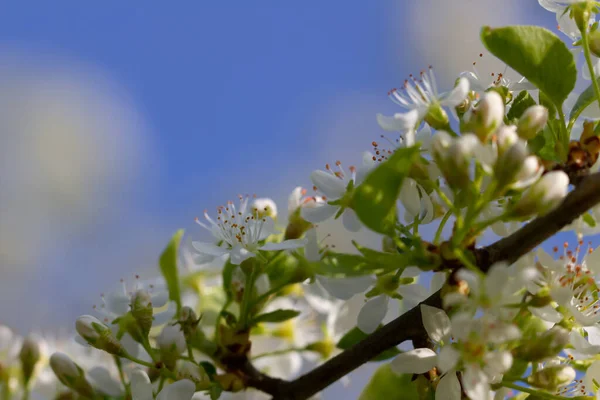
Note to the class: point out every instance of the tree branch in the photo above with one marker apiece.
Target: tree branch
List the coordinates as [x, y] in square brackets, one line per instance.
[409, 325]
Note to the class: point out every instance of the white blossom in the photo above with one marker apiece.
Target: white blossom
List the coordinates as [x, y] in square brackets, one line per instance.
[238, 232]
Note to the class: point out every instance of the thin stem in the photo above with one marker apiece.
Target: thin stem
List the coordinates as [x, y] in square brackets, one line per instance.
[149, 349]
[246, 298]
[190, 352]
[588, 60]
[465, 260]
[122, 375]
[438, 233]
[280, 352]
[141, 362]
[219, 316]
[537, 393]
[161, 383]
[26, 392]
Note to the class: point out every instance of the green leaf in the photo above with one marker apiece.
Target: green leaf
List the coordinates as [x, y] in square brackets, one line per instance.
[537, 54]
[355, 335]
[168, 267]
[375, 199]
[588, 219]
[215, 391]
[585, 99]
[545, 143]
[521, 103]
[385, 384]
[276, 316]
[209, 368]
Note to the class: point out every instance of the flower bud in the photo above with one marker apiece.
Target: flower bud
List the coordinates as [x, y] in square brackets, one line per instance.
[510, 163]
[436, 117]
[264, 207]
[171, 340]
[440, 142]
[141, 309]
[547, 345]
[488, 116]
[460, 154]
[532, 121]
[297, 225]
[506, 137]
[546, 194]
[70, 375]
[29, 356]
[188, 320]
[552, 377]
[98, 335]
[530, 171]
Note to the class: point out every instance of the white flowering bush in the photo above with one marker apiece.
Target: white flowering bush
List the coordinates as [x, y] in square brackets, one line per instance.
[266, 309]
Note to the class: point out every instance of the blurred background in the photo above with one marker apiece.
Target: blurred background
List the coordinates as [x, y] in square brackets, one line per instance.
[120, 122]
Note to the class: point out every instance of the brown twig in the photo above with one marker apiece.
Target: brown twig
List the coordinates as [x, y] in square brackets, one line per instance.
[409, 326]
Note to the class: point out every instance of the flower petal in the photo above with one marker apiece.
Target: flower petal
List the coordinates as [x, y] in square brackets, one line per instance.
[448, 358]
[101, 379]
[328, 184]
[345, 288]
[372, 313]
[311, 250]
[436, 323]
[209, 248]
[547, 313]
[581, 345]
[239, 254]
[448, 388]
[141, 388]
[399, 122]
[409, 196]
[417, 361]
[318, 213]
[475, 383]
[350, 220]
[180, 390]
[496, 280]
[457, 95]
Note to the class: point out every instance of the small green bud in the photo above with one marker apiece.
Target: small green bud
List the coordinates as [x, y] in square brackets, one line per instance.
[29, 356]
[188, 320]
[71, 375]
[141, 309]
[99, 335]
[547, 345]
[324, 348]
[552, 377]
[436, 117]
[581, 12]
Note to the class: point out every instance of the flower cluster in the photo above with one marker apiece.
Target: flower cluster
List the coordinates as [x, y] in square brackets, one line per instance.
[269, 294]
